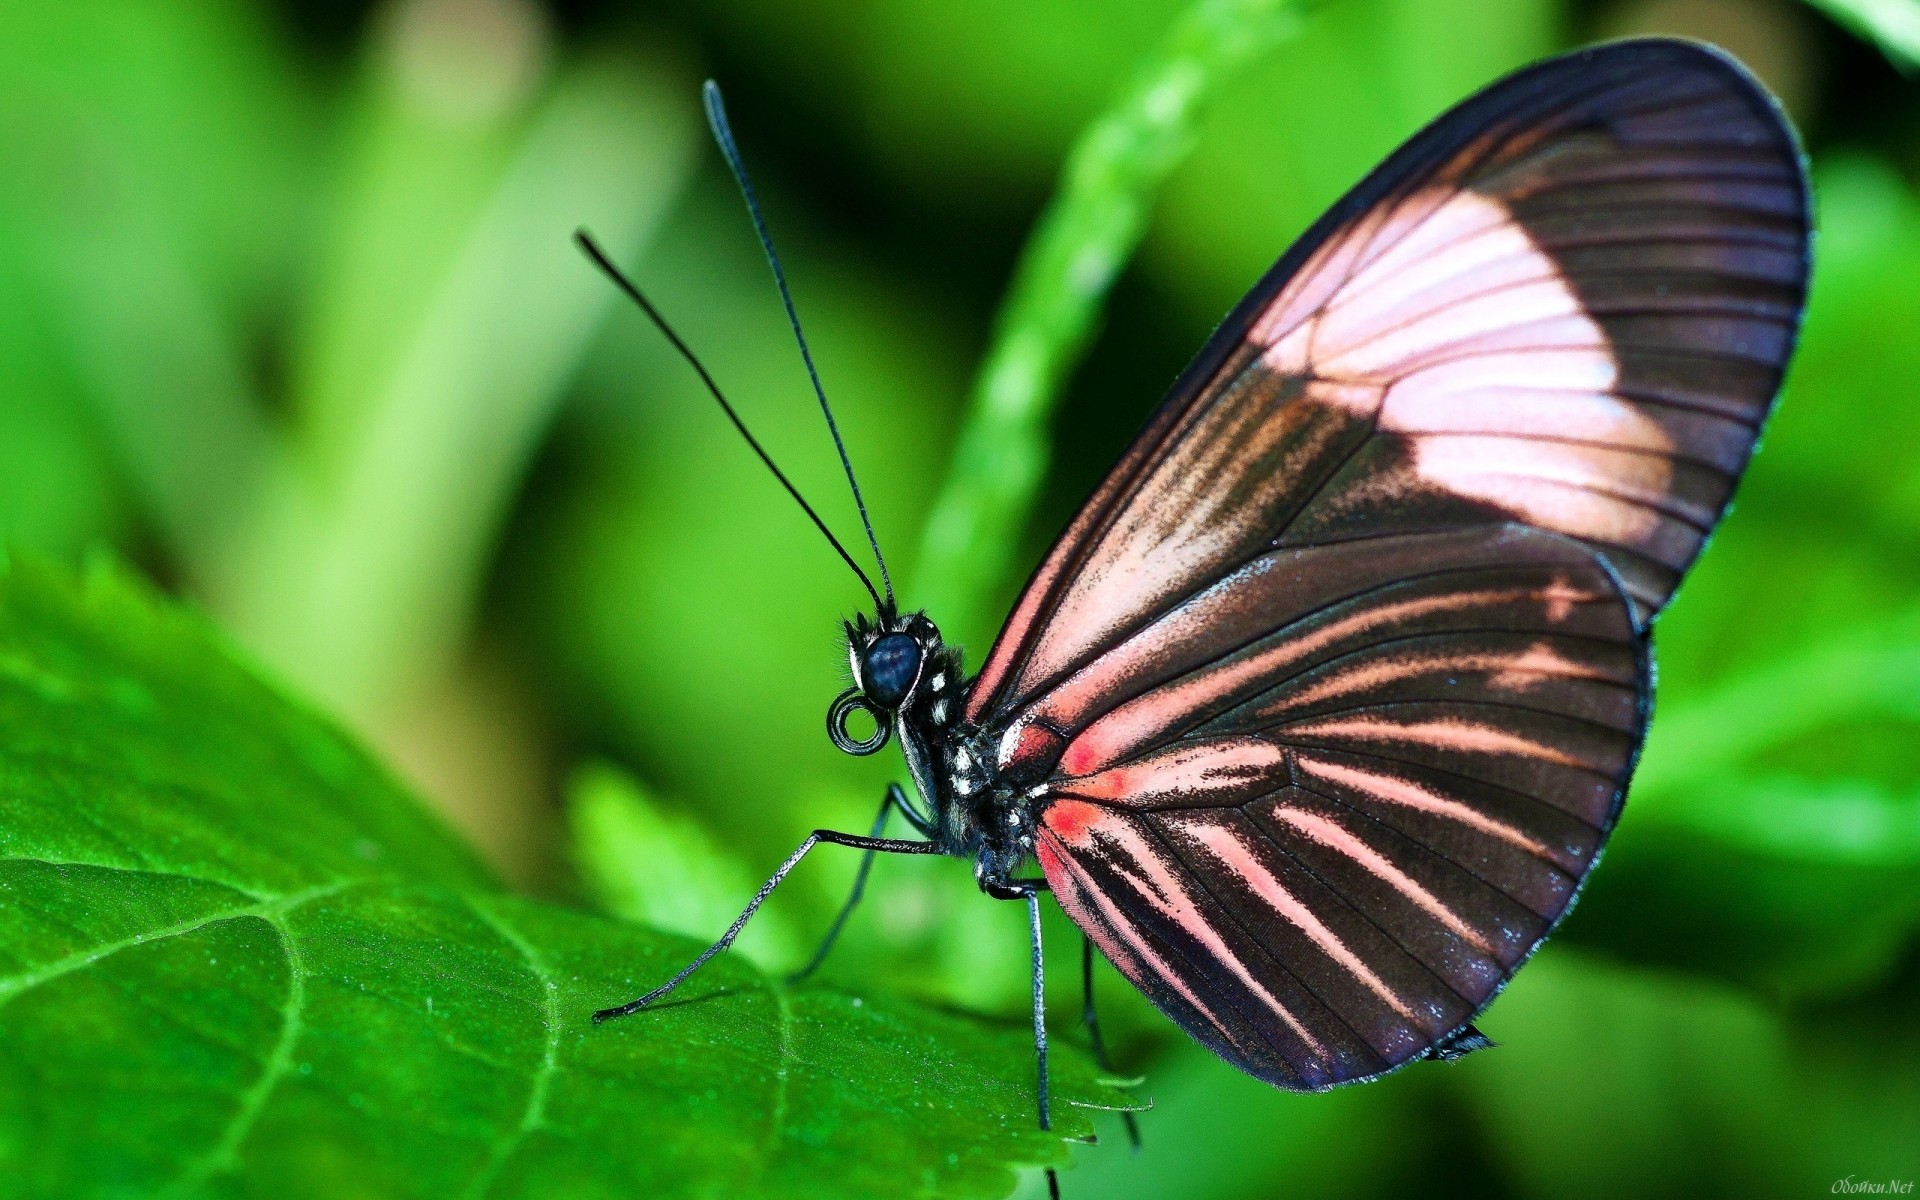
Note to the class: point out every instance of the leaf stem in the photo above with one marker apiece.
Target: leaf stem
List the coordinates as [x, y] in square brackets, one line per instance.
[1083, 239]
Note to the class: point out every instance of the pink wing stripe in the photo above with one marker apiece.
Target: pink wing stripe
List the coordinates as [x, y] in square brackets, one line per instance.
[1119, 940]
[1218, 773]
[1148, 717]
[1169, 895]
[1179, 528]
[1336, 837]
[1516, 674]
[1395, 790]
[1231, 853]
[1454, 736]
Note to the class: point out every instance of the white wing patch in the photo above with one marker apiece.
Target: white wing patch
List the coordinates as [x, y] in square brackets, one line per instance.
[1457, 330]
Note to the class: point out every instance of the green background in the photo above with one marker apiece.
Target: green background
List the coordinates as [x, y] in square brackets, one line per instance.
[290, 323]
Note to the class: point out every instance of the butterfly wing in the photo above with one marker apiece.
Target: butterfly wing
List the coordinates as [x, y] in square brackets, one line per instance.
[1375, 807]
[1313, 817]
[1567, 302]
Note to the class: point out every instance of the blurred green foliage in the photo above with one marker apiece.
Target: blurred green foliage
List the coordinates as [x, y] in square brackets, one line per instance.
[1082, 241]
[288, 316]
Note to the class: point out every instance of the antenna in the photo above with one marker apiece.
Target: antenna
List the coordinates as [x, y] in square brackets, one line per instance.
[723, 134]
[633, 292]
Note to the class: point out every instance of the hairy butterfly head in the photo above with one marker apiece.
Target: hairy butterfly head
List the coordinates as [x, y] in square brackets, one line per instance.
[888, 657]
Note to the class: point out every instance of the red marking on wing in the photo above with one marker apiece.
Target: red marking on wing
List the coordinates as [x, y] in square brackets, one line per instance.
[1228, 771]
[1155, 883]
[1072, 822]
[1139, 722]
[1127, 946]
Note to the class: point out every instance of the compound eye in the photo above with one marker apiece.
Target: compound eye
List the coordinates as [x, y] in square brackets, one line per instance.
[891, 665]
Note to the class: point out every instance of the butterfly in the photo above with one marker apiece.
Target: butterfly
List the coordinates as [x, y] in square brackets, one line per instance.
[1322, 708]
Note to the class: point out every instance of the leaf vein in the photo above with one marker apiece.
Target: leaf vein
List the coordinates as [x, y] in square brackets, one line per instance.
[225, 1154]
[262, 907]
[784, 1048]
[534, 1113]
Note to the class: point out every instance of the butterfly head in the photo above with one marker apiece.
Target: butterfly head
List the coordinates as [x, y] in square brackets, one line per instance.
[890, 656]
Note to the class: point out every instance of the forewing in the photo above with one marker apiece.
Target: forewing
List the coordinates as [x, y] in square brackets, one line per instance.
[1331, 846]
[1567, 303]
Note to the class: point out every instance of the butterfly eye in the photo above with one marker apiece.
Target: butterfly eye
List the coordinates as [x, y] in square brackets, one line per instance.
[889, 669]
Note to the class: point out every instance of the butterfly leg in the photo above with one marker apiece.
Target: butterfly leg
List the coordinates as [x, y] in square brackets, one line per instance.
[831, 836]
[1040, 1024]
[1091, 1020]
[1029, 890]
[896, 798]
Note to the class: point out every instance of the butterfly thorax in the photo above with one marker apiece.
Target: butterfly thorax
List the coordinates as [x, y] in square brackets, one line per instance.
[980, 816]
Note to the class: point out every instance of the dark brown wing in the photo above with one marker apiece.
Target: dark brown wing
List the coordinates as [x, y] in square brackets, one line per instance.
[1568, 302]
[1372, 812]
[1330, 694]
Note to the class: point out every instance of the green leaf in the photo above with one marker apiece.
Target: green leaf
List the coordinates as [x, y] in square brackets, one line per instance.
[1773, 831]
[1856, 676]
[237, 960]
[1217, 1133]
[1839, 821]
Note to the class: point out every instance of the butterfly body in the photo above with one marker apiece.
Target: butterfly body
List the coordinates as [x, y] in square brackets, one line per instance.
[970, 811]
